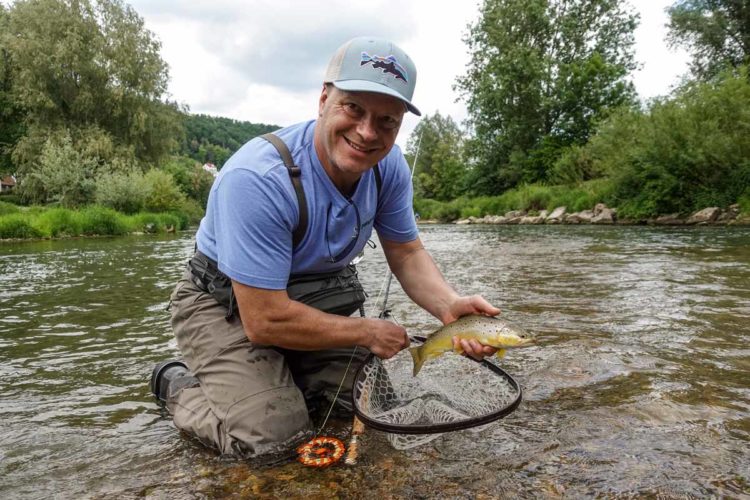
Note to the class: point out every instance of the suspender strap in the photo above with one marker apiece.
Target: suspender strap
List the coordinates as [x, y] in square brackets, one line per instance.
[378, 178]
[295, 176]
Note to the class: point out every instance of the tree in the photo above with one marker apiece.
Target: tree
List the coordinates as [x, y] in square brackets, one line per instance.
[542, 72]
[717, 32]
[89, 68]
[439, 170]
[11, 118]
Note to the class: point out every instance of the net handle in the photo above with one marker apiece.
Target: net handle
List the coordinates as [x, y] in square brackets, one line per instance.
[437, 428]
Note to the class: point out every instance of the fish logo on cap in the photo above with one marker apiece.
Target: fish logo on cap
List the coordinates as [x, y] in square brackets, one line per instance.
[388, 65]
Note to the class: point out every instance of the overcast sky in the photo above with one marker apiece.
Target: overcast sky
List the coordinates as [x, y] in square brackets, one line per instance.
[264, 60]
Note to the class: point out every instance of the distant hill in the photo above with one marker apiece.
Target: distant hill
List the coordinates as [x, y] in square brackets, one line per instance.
[213, 139]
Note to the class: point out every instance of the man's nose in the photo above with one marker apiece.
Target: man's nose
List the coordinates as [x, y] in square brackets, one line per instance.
[367, 129]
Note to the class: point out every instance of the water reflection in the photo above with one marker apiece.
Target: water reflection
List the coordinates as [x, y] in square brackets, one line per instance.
[640, 385]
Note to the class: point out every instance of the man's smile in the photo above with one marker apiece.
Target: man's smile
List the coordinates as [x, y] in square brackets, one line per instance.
[359, 148]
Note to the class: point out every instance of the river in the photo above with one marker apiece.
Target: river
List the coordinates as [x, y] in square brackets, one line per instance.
[639, 385]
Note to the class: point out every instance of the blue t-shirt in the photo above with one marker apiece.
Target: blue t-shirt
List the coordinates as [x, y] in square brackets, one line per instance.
[253, 210]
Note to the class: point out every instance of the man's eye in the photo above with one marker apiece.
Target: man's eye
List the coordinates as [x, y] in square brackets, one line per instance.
[352, 108]
[389, 123]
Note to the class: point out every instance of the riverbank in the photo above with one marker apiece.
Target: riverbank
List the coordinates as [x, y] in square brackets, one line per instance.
[24, 223]
[601, 214]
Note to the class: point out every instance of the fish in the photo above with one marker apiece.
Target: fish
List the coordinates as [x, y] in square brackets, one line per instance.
[486, 330]
[388, 65]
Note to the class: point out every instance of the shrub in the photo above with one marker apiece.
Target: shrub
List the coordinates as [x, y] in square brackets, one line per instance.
[154, 223]
[96, 220]
[17, 226]
[744, 202]
[58, 222]
[8, 208]
[124, 192]
[163, 195]
[12, 198]
[191, 212]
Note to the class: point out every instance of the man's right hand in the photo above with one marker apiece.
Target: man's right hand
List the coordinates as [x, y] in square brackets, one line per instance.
[386, 339]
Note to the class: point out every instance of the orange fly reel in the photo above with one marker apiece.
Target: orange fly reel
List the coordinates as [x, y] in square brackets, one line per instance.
[321, 452]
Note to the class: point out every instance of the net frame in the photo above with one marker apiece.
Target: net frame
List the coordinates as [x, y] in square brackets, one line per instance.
[434, 428]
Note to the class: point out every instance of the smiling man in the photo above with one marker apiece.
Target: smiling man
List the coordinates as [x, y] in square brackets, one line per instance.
[292, 208]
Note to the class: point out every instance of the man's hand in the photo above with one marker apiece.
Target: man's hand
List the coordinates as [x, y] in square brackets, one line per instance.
[386, 339]
[463, 306]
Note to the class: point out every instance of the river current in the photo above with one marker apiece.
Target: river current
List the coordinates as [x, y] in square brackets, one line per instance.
[639, 384]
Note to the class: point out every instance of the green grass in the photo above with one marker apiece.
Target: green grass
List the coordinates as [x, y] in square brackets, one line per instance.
[8, 208]
[56, 222]
[531, 198]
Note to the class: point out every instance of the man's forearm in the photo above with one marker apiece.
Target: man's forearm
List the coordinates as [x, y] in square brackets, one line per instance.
[271, 318]
[420, 278]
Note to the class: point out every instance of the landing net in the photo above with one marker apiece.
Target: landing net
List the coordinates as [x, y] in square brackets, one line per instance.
[450, 393]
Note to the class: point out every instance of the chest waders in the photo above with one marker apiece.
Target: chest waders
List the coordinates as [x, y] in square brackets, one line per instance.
[338, 292]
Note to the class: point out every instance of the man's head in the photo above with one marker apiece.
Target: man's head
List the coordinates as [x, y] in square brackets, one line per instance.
[368, 88]
[369, 64]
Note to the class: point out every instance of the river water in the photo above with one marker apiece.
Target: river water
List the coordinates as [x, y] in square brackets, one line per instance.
[639, 386]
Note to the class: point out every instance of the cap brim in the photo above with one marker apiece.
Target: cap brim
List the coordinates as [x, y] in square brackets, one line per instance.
[368, 86]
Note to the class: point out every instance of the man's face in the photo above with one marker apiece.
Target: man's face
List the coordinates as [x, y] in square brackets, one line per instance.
[355, 130]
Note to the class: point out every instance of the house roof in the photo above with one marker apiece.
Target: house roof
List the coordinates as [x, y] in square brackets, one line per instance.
[8, 180]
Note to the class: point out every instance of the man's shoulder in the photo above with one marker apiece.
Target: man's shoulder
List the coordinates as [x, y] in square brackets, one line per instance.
[260, 156]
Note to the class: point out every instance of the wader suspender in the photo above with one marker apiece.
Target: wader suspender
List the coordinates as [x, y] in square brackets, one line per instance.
[208, 277]
[295, 175]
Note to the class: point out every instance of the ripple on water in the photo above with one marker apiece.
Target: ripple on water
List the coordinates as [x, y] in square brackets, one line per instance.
[640, 384]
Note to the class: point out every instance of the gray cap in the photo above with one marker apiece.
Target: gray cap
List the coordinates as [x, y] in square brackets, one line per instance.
[369, 64]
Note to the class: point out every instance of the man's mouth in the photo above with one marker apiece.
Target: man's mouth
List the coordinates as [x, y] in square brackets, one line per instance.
[359, 148]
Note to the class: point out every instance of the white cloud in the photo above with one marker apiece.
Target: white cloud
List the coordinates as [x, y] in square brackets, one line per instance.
[263, 61]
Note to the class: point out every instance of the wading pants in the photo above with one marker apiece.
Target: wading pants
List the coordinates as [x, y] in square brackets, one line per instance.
[252, 401]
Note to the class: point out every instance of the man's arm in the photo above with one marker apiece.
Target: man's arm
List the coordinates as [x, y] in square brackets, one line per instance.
[270, 317]
[424, 284]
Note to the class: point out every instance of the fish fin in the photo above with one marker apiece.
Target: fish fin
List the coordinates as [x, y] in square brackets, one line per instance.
[418, 356]
[501, 353]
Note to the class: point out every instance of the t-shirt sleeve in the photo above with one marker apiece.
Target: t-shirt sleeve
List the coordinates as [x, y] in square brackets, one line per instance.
[254, 222]
[394, 220]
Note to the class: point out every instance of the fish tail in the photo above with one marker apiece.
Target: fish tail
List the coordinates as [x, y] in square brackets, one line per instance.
[418, 356]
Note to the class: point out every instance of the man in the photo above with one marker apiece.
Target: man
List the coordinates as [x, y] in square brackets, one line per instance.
[256, 376]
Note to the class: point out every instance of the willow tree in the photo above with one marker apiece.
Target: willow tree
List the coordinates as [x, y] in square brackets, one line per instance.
[88, 75]
[542, 72]
[716, 32]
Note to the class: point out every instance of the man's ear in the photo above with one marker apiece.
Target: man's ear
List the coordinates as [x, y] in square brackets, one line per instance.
[323, 98]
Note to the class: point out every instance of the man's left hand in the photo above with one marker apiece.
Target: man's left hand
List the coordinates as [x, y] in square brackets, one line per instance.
[463, 306]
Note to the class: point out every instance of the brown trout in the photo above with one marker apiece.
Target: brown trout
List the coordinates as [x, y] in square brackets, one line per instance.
[486, 330]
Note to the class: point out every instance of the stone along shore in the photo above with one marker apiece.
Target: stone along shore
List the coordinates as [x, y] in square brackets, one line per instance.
[601, 214]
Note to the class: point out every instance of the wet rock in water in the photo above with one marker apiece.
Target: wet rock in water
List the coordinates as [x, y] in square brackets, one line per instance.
[514, 216]
[557, 216]
[532, 219]
[730, 214]
[603, 215]
[582, 217]
[668, 220]
[462, 222]
[495, 219]
[704, 216]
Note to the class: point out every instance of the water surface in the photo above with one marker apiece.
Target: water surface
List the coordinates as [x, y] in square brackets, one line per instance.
[640, 385]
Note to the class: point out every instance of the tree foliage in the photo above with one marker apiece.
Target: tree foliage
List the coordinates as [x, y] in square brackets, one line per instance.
[11, 119]
[211, 139]
[542, 72]
[437, 145]
[87, 67]
[717, 32]
[683, 154]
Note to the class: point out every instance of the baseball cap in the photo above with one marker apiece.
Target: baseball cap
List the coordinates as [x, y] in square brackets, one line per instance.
[370, 64]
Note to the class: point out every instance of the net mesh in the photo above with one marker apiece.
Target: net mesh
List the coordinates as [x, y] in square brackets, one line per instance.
[450, 392]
